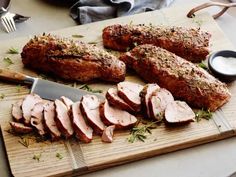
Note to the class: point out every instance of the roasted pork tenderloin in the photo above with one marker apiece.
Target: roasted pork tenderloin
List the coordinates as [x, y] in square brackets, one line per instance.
[82, 131]
[182, 78]
[16, 111]
[190, 43]
[107, 135]
[113, 116]
[90, 110]
[71, 60]
[20, 128]
[62, 119]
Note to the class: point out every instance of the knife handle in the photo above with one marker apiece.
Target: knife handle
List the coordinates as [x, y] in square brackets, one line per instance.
[13, 76]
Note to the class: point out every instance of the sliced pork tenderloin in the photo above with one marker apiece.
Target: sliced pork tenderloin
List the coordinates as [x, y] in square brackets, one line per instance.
[90, 109]
[113, 116]
[68, 102]
[49, 120]
[62, 119]
[37, 120]
[82, 131]
[129, 92]
[16, 111]
[116, 101]
[145, 95]
[20, 128]
[157, 103]
[107, 135]
[178, 112]
[27, 106]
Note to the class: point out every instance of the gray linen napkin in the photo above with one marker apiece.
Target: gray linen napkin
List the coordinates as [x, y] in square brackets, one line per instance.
[86, 11]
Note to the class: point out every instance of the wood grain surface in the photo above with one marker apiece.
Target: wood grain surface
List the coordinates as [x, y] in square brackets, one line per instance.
[79, 158]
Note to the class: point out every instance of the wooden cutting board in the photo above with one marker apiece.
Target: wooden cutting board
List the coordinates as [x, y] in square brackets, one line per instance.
[79, 158]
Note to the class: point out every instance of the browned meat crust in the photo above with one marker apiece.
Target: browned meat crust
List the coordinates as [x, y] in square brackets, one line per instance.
[71, 60]
[189, 43]
[183, 79]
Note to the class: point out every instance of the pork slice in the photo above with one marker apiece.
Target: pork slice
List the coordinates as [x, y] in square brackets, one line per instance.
[145, 95]
[107, 135]
[116, 101]
[82, 131]
[90, 109]
[27, 106]
[113, 116]
[49, 120]
[16, 111]
[62, 119]
[129, 92]
[37, 120]
[68, 102]
[20, 128]
[157, 103]
[179, 112]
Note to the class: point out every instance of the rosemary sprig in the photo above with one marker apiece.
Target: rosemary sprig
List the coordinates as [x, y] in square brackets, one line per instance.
[37, 157]
[13, 50]
[203, 114]
[203, 66]
[59, 156]
[77, 36]
[24, 141]
[8, 61]
[2, 96]
[140, 132]
[87, 88]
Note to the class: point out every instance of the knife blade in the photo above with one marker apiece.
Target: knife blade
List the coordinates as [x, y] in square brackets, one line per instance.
[44, 88]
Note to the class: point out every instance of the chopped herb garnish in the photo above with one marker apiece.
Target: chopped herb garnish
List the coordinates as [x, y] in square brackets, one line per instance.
[12, 51]
[59, 156]
[2, 96]
[203, 66]
[24, 141]
[140, 132]
[92, 43]
[135, 44]
[199, 22]
[37, 156]
[87, 88]
[77, 36]
[8, 61]
[203, 114]
[18, 88]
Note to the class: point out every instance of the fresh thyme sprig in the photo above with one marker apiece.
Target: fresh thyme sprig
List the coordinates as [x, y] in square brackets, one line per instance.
[13, 50]
[203, 66]
[8, 61]
[87, 88]
[203, 114]
[24, 141]
[140, 132]
[2, 96]
[77, 36]
[37, 157]
[59, 156]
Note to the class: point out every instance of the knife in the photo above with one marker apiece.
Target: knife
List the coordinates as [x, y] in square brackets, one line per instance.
[46, 89]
